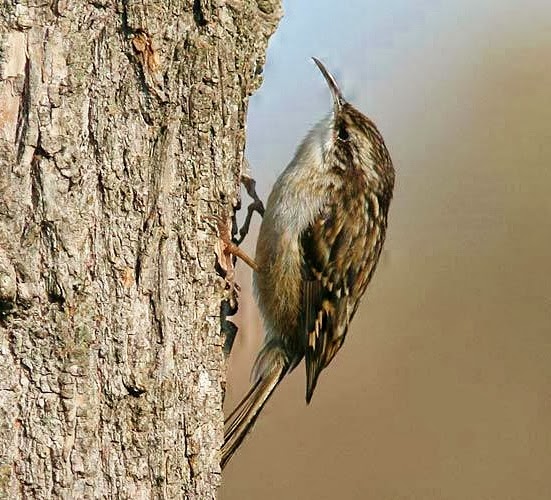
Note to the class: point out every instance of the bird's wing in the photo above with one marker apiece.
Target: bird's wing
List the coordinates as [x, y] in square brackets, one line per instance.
[340, 251]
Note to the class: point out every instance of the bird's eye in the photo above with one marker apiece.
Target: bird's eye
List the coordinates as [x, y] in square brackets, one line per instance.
[343, 133]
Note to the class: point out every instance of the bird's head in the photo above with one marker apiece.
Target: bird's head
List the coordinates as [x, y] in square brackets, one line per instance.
[353, 140]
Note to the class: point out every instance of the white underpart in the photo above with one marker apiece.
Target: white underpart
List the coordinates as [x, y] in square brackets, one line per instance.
[292, 213]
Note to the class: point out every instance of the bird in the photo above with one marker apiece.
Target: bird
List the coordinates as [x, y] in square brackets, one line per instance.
[319, 242]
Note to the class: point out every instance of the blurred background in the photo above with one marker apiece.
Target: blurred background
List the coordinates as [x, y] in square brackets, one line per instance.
[442, 389]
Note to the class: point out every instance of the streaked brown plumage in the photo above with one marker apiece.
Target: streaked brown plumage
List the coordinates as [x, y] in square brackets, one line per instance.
[319, 243]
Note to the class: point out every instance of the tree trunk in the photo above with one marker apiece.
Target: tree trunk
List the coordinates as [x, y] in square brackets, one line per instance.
[121, 132]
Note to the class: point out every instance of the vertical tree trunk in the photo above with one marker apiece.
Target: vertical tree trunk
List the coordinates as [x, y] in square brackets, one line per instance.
[121, 131]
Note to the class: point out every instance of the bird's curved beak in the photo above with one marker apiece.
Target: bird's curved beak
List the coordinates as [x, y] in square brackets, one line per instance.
[338, 99]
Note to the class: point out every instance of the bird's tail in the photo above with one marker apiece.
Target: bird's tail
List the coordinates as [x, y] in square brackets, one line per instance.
[271, 367]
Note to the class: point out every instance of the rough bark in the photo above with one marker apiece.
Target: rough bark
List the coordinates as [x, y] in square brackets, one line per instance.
[121, 132]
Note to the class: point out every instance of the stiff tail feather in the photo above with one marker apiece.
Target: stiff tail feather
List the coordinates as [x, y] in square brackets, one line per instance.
[242, 419]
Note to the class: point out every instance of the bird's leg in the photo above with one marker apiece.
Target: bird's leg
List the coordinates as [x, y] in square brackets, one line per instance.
[231, 248]
[231, 244]
[255, 206]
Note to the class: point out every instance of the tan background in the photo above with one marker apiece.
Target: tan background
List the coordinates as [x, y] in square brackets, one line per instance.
[443, 387]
